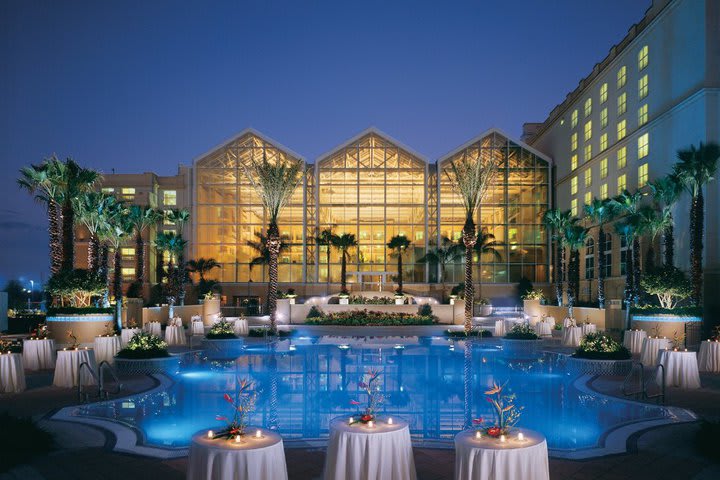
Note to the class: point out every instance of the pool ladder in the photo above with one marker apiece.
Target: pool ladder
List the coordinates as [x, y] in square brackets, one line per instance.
[102, 392]
[641, 390]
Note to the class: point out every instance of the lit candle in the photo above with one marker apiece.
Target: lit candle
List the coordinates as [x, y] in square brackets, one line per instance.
[351, 421]
[371, 424]
[237, 438]
[390, 421]
[210, 434]
[478, 435]
[258, 433]
[521, 437]
[502, 438]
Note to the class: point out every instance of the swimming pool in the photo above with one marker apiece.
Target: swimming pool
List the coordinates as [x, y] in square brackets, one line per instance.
[305, 382]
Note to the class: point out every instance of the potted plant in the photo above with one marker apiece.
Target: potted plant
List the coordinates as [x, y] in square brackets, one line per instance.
[399, 298]
[485, 307]
[506, 413]
[291, 296]
[243, 405]
[146, 353]
[599, 354]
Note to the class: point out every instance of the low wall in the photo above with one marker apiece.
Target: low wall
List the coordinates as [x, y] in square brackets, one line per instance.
[207, 312]
[447, 314]
[84, 327]
[593, 315]
[665, 325]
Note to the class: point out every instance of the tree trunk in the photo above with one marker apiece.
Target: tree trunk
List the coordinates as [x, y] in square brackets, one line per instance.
[68, 236]
[469, 239]
[140, 258]
[327, 256]
[636, 270]
[650, 259]
[117, 276]
[104, 272]
[669, 242]
[629, 286]
[159, 265]
[563, 270]
[93, 253]
[467, 385]
[55, 237]
[343, 272]
[273, 422]
[697, 213]
[273, 246]
[400, 273]
[573, 272]
[558, 274]
[601, 268]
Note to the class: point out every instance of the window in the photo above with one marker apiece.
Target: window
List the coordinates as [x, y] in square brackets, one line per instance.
[573, 142]
[623, 254]
[127, 193]
[108, 190]
[588, 198]
[621, 130]
[621, 184]
[642, 115]
[603, 191]
[588, 178]
[574, 119]
[642, 175]
[573, 162]
[128, 272]
[588, 130]
[643, 87]
[603, 93]
[573, 185]
[622, 158]
[607, 251]
[622, 104]
[127, 252]
[589, 259]
[603, 168]
[587, 155]
[643, 145]
[574, 207]
[170, 198]
[167, 219]
[643, 57]
[621, 77]
[603, 118]
[588, 107]
[603, 142]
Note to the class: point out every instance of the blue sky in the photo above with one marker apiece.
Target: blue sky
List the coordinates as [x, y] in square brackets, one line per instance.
[145, 85]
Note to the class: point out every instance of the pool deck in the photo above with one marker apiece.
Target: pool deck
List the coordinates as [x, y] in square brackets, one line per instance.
[86, 452]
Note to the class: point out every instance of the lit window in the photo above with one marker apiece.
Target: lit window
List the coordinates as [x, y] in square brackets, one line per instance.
[588, 107]
[621, 130]
[603, 141]
[127, 252]
[643, 57]
[603, 191]
[574, 119]
[642, 175]
[590, 259]
[574, 207]
[621, 158]
[621, 77]
[608, 254]
[127, 193]
[588, 178]
[603, 118]
[167, 218]
[603, 168]
[621, 184]
[587, 154]
[621, 104]
[643, 145]
[573, 162]
[573, 185]
[170, 198]
[108, 190]
[588, 130]
[642, 115]
[573, 141]
[603, 93]
[128, 272]
[588, 198]
[643, 87]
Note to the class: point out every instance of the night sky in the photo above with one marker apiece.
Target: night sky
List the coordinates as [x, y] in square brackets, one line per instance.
[146, 85]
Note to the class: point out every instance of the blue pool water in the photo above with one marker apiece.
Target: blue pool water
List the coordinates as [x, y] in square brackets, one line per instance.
[315, 380]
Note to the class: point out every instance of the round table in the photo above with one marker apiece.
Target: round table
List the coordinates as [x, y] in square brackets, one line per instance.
[126, 334]
[488, 458]
[499, 328]
[709, 356]
[39, 354]
[567, 322]
[12, 374]
[198, 328]
[650, 348]
[572, 336]
[358, 452]
[253, 458]
[240, 327]
[106, 348]
[154, 328]
[588, 328]
[175, 335]
[681, 369]
[633, 340]
[543, 329]
[67, 368]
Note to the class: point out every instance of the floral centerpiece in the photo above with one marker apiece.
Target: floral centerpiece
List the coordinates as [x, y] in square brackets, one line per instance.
[655, 331]
[132, 323]
[598, 346]
[506, 414]
[715, 336]
[144, 345]
[678, 340]
[41, 332]
[74, 345]
[521, 331]
[243, 404]
[8, 345]
[534, 295]
[221, 330]
[109, 330]
[375, 398]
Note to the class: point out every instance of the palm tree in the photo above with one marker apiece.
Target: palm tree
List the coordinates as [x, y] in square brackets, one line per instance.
[326, 238]
[575, 236]
[445, 253]
[274, 183]
[41, 181]
[472, 178]
[344, 243]
[652, 223]
[202, 266]
[179, 217]
[141, 218]
[628, 230]
[696, 167]
[557, 222]
[260, 246]
[174, 245]
[114, 232]
[487, 245]
[628, 204]
[399, 245]
[93, 210]
[600, 212]
[666, 192]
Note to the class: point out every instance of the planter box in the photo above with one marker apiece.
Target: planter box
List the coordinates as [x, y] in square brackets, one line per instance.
[344, 301]
[84, 327]
[130, 366]
[589, 366]
[221, 348]
[400, 301]
[520, 348]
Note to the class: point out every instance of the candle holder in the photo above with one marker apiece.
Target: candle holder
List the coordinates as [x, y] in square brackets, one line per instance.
[521, 437]
[211, 434]
[503, 439]
[478, 435]
[371, 424]
[390, 421]
[258, 433]
[351, 421]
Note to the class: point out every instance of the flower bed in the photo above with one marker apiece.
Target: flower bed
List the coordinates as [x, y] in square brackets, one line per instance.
[369, 318]
[597, 346]
[222, 330]
[143, 346]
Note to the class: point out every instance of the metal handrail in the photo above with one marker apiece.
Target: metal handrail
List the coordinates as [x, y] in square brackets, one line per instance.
[660, 396]
[82, 395]
[642, 392]
[102, 391]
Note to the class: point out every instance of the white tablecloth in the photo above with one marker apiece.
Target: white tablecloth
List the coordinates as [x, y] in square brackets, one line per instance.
[126, 334]
[357, 452]
[709, 356]
[12, 374]
[544, 329]
[567, 322]
[489, 459]
[68, 366]
[681, 369]
[106, 348]
[175, 335]
[154, 328]
[198, 328]
[633, 340]
[588, 328]
[572, 336]
[550, 320]
[39, 354]
[650, 348]
[499, 328]
[253, 459]
[241, 327]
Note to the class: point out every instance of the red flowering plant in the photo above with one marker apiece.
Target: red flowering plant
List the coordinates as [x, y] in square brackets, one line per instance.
[367, 383]
[506, 412]
[243, 403]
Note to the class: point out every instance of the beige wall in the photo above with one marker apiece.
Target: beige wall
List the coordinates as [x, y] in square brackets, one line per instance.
[161, 314]
[447, 314]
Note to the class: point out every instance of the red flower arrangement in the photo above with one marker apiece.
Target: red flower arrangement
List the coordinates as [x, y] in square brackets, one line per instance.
[375, 398]
[506, 412]
[243, 404]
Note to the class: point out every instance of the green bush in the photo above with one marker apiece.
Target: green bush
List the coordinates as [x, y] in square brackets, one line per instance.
[76, 287]
[315, 312]
[21, 440]
[460, 334]
[669, 284]
[262, 332]
[425, 310]
[222, 330]
[53, 311]
[598, 346]
[365, 317]
[144, 345]
[521, 331]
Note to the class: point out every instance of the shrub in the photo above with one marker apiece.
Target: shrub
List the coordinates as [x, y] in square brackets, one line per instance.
[458, 290]
[221, 330]
[364, 317]
[76, 287]
[521, 331]
[78, 311]
[690, 311]
[425, 310]
[360, 300]
[480, 333]
[669, 284]
[534, 295]
[144, 345]
[598, 346]
[315, 312]
[21, 440]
